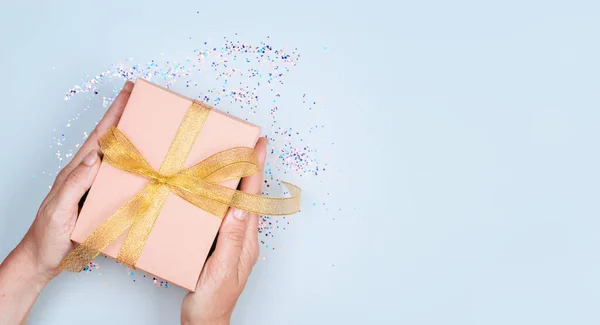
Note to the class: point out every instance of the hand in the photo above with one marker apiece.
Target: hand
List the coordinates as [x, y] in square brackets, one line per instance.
[48, 239]
[226, 271]
[36, 259]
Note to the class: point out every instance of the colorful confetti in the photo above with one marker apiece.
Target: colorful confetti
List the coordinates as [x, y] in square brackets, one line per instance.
[90, 267]
[240, 78]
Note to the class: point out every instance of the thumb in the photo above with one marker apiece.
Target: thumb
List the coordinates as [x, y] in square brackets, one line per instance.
[231, 239]
[78, 181]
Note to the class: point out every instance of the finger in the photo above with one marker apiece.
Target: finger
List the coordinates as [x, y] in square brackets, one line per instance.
[230, 240]
[233, 231]
[78, 181]
[110, 118]
[252, 185]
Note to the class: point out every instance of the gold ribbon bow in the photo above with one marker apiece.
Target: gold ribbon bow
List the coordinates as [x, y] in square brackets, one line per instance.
[197, 184]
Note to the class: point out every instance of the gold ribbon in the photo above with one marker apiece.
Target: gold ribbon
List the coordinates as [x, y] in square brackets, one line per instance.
[197, 184]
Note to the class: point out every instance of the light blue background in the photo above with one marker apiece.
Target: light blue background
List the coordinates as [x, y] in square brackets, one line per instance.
[465, 158]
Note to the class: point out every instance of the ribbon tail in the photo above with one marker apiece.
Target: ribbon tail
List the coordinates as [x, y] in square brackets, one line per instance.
[216, 199]
[268, 205]
[215, 208]
[107, 232]
[142, 226]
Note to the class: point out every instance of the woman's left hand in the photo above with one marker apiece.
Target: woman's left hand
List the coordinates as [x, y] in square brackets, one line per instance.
[34, 262]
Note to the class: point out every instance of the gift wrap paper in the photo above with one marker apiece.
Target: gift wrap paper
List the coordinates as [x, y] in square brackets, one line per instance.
[183, 233]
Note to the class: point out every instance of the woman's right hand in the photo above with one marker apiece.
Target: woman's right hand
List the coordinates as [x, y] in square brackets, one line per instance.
[227, 270]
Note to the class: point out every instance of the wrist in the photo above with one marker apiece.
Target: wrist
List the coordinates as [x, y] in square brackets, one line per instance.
[20, 285]
[217, 322]
[205, 320]
[24, 259]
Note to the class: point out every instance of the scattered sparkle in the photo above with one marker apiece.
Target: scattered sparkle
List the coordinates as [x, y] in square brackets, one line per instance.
[240, 78]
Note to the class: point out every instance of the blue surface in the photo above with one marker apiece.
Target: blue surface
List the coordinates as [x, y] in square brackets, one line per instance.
[465, 158]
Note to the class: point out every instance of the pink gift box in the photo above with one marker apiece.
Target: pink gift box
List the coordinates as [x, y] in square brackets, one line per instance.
[183, 233]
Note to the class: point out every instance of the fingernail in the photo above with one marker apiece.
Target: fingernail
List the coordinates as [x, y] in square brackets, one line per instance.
[91, 158]
[128, 86]
[239, 214]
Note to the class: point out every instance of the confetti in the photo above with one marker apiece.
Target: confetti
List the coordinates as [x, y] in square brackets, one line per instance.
[90, 267]
[241, 78]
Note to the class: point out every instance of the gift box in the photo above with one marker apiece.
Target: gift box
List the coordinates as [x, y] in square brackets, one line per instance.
[182, 234]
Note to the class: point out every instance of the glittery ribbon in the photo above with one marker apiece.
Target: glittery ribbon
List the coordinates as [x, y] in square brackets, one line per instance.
[197, 184]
